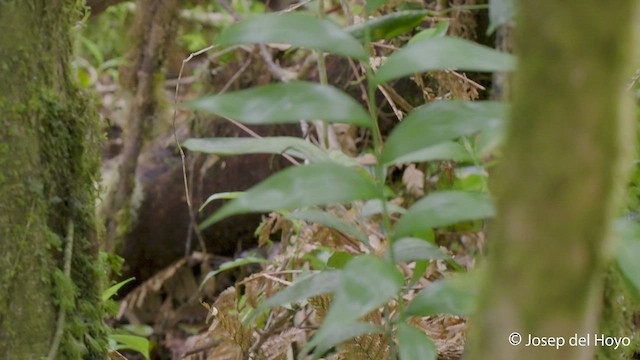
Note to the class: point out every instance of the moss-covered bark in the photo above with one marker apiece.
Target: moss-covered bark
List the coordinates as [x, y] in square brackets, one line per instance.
[48, 163]
[151, 34]
[560, 180]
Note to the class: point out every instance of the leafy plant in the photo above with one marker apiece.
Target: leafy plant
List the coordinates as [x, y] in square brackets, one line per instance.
[120, 340]
[361, 284]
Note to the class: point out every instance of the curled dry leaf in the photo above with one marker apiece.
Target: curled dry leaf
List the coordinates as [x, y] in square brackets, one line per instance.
[413, 179]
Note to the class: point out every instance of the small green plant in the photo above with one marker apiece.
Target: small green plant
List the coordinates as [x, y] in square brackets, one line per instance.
[452, 130]
[362, 283]
[122, 340]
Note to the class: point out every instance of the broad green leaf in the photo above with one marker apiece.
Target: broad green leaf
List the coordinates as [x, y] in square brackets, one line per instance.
[332, 221]
[131, 342]
[437, 123]
[489, 140]
[500, 12]
[439, 53]
[269, 145]
[456, 295]
[449, 150]
[373, 5]
[228, 195]
[303, 288]
[366, 283]
[443, 208]
[415, 344]
[234, 264]
[388, 26]
[412, 249]
[107, 294]
[471, 178]
[285, 103]
[300, 186]
[628, 253]
[139, 329]
[339, 259]
[439, 30]
[419, 269]
[295, 29]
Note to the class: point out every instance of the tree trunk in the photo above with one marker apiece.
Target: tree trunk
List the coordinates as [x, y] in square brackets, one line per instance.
[49, 302]
[560, 181]
[152, 31]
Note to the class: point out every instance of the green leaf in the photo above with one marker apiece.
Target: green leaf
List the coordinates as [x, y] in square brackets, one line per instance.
[412, 249]
[366, 283]
[449, 150]
[388, 26]
[131, 342]
[456, 295]
[436, 123]
[285, 103]
[269, 145]
[415, 344]
[339, 259]
[374, 207]
[373, 5]
[439, 30]
[234, 264]
[139, 329]
[439, 53]
[628, 252]
[340, 334]
[500, 12]
[332, 221]
[443, 208]
[107, 294]
[489, 140]
[303, 288]
[228, 195]
[300, 186]
[295, 29]
[418, 271]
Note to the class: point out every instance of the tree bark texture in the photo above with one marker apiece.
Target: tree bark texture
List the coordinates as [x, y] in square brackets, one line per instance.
[152, 30]
[49, 163]
[561, 178]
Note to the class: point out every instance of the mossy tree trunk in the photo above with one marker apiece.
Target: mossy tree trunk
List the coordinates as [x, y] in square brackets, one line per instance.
[559, 183]
[151, 34]
[48, 167]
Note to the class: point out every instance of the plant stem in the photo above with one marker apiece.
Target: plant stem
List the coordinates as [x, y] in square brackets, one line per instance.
[322, 74]
[380, 176]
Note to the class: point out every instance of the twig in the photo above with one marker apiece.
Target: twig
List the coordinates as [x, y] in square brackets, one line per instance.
[399, 100]
[192, 215]
[200, 349]
[230, 10]
[397, 112]
[274, 69]
[235, 76]
[255, 135]
[464, 78]
[296, 6]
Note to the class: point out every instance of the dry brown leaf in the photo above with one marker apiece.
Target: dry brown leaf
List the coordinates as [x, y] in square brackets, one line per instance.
[279, 344]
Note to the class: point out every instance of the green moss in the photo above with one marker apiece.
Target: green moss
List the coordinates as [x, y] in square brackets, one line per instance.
[617, 316]
[124, 221]
[49, 156]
